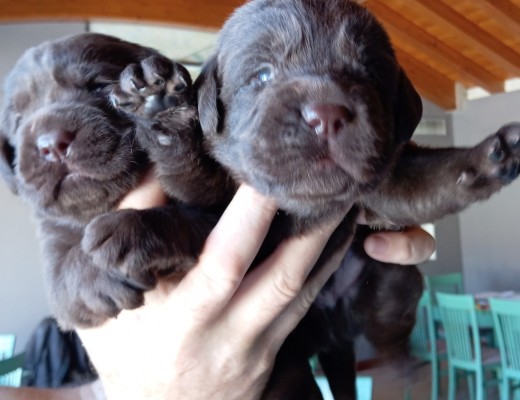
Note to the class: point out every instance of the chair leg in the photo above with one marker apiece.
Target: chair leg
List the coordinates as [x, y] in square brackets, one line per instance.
[471, 384]
[451, 383]
[408, 393]
[514, 389]
[504, 393]
[481, 393]
[435, 380]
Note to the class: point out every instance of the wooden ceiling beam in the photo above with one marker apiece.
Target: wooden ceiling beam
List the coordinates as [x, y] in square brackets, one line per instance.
[466, 30]
[430, 84]
[419, 51]
[444, 100]
[406, 31]
[198, 13]
[504, 12]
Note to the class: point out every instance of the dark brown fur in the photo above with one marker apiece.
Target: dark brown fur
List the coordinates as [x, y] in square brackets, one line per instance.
[100, 261]
[75, 138]
[305, 101]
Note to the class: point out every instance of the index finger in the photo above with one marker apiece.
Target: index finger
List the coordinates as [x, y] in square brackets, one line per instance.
[228, 252]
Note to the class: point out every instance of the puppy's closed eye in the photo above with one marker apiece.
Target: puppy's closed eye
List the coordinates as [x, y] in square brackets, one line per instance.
[98, 85]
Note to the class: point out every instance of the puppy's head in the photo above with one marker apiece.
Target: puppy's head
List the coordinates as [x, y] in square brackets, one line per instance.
[305, 101]
[62, 146]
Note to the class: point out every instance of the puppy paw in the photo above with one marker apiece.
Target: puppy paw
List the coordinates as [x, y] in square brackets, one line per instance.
[173, 128]
[87, 296]
[498, 159]
[119, 242]
[504, 153]
[152, 86]
[106, 298]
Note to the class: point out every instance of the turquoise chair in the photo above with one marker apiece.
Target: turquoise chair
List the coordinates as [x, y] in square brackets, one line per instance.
[466, 353]
[363, 383]
[444, 283]
[7, 342]
[424, 345]
[363, 387]
[11, 370]
[506, 318]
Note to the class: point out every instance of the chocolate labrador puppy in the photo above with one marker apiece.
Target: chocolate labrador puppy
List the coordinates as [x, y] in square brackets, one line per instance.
[304, 100]
[74, 139]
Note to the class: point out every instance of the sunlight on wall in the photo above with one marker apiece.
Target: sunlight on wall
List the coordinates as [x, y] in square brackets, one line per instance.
[190, 47]
[510, 85]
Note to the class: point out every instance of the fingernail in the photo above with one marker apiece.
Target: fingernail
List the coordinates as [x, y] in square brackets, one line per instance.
[376, 245]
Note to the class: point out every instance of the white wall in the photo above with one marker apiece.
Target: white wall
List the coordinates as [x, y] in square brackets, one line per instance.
[490, 231]
[22, 299]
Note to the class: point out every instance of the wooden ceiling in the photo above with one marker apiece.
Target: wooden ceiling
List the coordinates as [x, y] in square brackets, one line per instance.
[443, 45]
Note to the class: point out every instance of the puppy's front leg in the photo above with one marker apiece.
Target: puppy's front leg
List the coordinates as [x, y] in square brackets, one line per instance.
[158, 95]
[156, 241]
[93, 275]
[80, 293]
[180, 161]
[427, 184]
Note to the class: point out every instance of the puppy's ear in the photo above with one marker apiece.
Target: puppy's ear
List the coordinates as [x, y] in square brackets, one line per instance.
[407, 109]
[7, 163]
[209, 105]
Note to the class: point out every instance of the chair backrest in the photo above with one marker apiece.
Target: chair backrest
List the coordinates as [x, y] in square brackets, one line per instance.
[444, 283]
[11, 370]
[459, 320]
[422, 338]
[506, 318]
[7, 342]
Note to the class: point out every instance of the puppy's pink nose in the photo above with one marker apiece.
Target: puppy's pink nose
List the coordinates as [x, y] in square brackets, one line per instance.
[327, 119]
[54, 146]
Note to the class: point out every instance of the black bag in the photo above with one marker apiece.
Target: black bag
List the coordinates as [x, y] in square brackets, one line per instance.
[54, 358]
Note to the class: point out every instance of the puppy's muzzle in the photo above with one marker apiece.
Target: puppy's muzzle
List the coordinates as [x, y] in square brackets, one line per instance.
[327, 119]
[54, 146]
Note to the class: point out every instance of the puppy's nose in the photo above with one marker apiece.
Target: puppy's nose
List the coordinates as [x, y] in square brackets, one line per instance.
[327, 119]
[55, 146]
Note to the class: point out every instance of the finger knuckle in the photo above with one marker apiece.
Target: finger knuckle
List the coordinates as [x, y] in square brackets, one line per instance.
[222, 279]
[308, 296]
[287, 285]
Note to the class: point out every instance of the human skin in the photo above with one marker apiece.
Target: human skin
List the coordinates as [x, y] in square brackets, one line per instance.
[225, 326]
[215, 333]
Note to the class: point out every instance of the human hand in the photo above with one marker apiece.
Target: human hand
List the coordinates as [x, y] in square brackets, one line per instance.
[216, 333]
[409, 246]
[412, 245]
